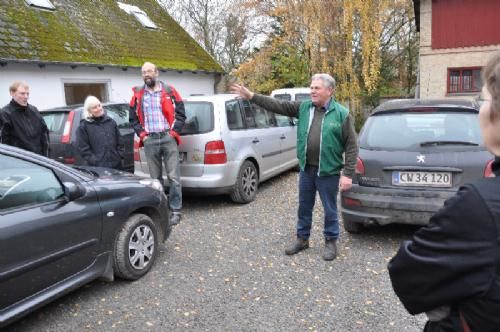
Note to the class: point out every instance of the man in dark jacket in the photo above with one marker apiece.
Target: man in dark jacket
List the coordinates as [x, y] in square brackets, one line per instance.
[21, 124]
[325, 131]
[98, 137]
[157, 116]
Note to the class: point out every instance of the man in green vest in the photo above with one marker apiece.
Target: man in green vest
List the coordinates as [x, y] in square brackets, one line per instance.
[325, 132]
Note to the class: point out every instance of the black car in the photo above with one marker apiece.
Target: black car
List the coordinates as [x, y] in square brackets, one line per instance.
[413, 155]
[62, 227]
[64, 121]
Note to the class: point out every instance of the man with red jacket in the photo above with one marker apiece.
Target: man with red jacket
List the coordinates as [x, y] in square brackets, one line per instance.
[157, 116]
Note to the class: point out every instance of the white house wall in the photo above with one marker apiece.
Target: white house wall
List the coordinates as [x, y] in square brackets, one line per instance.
[47, 83]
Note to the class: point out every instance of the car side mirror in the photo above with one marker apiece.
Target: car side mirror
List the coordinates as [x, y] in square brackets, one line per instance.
[73, 191]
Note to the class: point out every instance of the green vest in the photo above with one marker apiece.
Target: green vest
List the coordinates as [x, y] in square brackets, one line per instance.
[331, 149]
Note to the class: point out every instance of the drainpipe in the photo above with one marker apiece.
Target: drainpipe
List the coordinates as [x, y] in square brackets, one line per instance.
[417, 84]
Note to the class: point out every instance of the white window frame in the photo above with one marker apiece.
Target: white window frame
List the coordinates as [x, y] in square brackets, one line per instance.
[42, 4]
[139, 15]
[106, 82]
[144, 19]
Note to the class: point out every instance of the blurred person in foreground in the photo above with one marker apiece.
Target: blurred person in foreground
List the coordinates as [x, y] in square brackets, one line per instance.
[21, 125]
[325, 134]
[98, 137]
[451, 268]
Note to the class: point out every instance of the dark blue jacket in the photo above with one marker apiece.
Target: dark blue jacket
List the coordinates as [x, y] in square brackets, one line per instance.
[99, 142]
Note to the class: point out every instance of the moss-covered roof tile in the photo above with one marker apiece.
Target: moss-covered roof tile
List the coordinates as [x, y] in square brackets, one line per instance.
[98, 32]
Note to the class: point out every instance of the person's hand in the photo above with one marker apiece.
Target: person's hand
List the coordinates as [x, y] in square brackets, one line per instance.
[175, 135]
[241, 90]
[143, 136]
[345, 183]
[439, 313]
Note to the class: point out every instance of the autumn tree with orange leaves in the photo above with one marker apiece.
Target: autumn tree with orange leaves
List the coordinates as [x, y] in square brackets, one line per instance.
[351, 39]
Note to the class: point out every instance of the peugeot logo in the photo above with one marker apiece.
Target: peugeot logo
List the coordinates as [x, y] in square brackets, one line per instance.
[420, 158]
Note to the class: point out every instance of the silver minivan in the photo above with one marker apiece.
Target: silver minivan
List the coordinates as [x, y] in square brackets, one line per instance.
[229, 146]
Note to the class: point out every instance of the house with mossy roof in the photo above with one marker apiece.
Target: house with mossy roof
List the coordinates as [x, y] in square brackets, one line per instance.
[68, 49]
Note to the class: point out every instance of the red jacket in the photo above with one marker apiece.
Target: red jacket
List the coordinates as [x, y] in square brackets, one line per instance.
[172, 108]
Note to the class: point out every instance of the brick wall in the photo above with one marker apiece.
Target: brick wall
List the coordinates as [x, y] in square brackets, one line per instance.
[434, 63]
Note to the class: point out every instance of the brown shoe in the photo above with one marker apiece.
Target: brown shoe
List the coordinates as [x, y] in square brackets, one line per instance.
[299, 245]
[330, 251]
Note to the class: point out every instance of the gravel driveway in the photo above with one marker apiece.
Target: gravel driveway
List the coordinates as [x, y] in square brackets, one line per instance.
[223, 269]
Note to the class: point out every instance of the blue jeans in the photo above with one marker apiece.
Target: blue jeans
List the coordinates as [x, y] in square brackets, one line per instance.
[327, 186]
[158, 149]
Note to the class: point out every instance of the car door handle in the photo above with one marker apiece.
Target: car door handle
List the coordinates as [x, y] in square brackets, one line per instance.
[255, 140]
[282, 136]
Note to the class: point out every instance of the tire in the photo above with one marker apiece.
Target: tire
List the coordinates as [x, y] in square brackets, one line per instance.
[136, 247]
[352, 226]
[247, 184]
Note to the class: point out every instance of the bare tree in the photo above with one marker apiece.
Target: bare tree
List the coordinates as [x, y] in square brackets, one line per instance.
[227, 30]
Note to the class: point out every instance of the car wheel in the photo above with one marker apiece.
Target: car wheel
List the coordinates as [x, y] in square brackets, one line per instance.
[135, 247]
[247, 183]
[352, 226]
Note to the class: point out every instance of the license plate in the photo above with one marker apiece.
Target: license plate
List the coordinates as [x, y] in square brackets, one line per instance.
[428, 179]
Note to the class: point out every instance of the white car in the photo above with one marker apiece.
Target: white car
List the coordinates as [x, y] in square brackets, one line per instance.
[292, 94]
[229, 146]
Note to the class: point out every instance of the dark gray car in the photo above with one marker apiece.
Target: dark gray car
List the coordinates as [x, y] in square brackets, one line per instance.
[413, 155]
[62, 227]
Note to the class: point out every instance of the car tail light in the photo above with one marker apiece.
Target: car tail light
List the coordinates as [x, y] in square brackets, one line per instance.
[360, 167]
[215, 153]
[424, 109]
[137, 155]
[66, 136]
[349, 201]
[488, 170]
[69, 160]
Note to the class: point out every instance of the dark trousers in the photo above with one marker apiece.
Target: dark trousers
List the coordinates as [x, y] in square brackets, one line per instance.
[164, 149]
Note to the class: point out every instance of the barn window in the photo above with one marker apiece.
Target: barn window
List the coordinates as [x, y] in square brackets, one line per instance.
[462, 80]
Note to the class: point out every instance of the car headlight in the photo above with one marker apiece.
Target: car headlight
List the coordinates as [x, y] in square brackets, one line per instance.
[153, 183]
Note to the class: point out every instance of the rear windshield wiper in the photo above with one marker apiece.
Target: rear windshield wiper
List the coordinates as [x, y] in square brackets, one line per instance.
[427, 143]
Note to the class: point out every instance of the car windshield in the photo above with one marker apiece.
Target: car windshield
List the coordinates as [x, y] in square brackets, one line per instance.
[55, 121]
[302, 96]
[199, 118]
[410, 130]
[284, 96]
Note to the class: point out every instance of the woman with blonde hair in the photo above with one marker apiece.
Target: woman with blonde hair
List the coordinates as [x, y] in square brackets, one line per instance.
[98, 138]
[451, 268]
